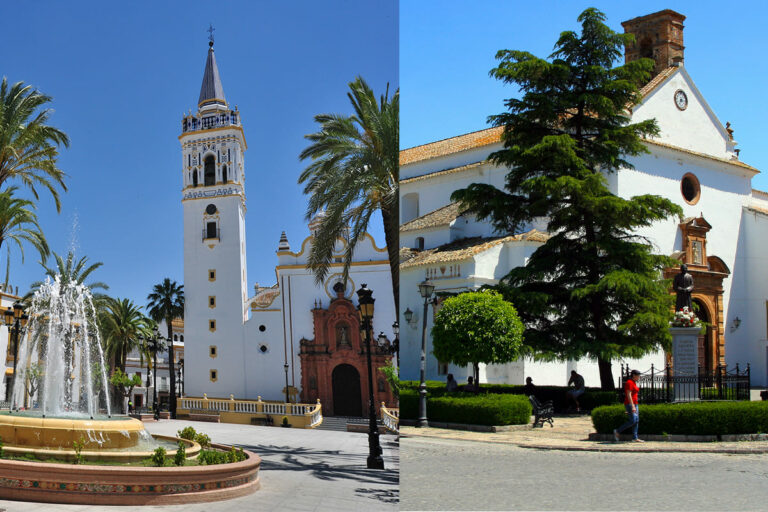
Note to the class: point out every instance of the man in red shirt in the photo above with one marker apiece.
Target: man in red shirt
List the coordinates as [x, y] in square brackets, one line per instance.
[630, 403]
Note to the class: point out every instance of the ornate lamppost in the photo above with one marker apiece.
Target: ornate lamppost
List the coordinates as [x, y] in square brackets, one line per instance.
[156, 344]
[426, 288]
[396, 341]
[16, 320]
[365, 310]
[285, 367]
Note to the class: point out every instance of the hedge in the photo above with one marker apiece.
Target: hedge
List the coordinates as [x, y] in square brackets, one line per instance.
[692, 418]
[593, 397]
[482, 409]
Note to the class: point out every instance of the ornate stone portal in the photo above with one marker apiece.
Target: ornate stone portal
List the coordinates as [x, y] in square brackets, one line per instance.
[333, 365]
[708, 273]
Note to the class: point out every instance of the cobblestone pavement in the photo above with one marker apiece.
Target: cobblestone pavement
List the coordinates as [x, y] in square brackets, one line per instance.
[302, 470]
[571, 432]
[448, 474]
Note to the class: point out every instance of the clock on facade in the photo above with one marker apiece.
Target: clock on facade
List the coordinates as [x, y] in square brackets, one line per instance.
[681, 100]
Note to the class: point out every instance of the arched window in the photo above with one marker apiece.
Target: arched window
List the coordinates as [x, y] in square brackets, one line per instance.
[194, 177]
[646, 48]
[224, 177]
[210, 172]
[175, 337]
[181, 338]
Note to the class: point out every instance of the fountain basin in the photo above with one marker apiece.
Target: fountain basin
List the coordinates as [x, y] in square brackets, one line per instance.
[25, 429]
[117, 485]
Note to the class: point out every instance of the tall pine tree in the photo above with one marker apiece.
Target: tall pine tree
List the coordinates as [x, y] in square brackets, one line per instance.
[595, 288]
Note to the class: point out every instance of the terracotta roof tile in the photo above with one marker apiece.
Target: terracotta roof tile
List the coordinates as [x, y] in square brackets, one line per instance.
[657, 80]
[737, 163]
[440, 217]
[443, 172]
[452, 145]
[465, 248]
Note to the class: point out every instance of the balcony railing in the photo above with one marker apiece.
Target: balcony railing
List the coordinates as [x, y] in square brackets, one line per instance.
[193, 124]
[390, 418]
[304, 415]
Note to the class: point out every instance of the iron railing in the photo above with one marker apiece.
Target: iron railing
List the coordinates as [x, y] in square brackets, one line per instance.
[662, 385]
[191, 124]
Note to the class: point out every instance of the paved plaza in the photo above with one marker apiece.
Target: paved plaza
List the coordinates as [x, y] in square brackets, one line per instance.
[449, 474]
[302, 470]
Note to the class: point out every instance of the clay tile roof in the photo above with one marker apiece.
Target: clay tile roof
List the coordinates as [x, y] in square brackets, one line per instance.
[406, 254]
[443, 172]
[657, 80]
[452, 145]
[440, 217]
[465, 248]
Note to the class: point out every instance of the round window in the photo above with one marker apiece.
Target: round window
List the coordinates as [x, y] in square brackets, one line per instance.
[210, 209]
[690, 188]
[263, 348]
[262, 328]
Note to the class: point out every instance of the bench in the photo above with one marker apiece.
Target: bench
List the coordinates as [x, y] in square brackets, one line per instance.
[267, 422]
[542, 412]
[202, 415]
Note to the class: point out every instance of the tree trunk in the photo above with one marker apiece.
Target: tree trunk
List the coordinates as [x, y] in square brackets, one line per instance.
[606, 374]
[392, 238]
[476, 370]
[171, 370]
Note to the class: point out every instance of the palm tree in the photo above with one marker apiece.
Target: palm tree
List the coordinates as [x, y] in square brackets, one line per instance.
[72, 271]
[122, 326]
[354, 172]
[28, 146]
[18, 223]
[166, 302]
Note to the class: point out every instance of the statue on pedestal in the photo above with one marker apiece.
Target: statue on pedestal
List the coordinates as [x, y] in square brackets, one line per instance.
[683, 285]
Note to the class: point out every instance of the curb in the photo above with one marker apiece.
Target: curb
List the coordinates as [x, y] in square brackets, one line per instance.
[646, 449]
[685, 438]
[470, 427]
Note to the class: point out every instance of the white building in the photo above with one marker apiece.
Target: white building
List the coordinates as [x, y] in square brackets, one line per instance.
[236, 344]
[693, 162]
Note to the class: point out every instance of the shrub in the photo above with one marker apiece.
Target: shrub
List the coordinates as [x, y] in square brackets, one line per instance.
[203, 440]
[285, 422]
[158, 458]
[470, 408]
[187, 433]
[593, 397]
[181, 454]
[78, 447]
[694, 418]
[210, 457]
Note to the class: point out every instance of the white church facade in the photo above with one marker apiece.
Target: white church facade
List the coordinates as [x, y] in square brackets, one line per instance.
[235, 343]
[693, 162]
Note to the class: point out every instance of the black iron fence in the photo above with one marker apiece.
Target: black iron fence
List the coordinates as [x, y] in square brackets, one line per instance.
[661, 385]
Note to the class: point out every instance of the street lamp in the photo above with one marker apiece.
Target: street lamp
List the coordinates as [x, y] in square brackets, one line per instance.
[181, 375]
[16, 321]
[426, 288]
[156, 344]
[285, 367]
[396, 341]
[365, 310]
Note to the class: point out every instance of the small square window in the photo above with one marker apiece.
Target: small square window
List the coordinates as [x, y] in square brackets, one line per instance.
[212, 351]
[212, 301]
[214, 375]
[211, 325]
[212, 275]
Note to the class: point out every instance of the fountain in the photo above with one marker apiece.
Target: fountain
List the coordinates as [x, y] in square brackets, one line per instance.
[60, 409]
[61, 383]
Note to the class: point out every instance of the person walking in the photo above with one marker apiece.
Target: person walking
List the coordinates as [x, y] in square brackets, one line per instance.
[630, 404]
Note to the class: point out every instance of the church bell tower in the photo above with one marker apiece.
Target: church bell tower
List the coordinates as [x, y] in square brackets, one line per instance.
[213, 199]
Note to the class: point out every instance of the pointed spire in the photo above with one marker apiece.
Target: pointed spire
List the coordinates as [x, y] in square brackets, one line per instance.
[211, 91]
[283, 245]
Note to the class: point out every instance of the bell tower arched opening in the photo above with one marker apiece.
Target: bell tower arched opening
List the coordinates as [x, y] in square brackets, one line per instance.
[209, 174]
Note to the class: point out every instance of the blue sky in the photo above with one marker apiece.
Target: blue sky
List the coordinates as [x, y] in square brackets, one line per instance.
[122, 74]
[448, 47]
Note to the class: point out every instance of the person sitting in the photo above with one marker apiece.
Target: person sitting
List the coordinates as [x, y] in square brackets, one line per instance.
[471, 387]
[578, 388]
[451, 384]
[529, 388]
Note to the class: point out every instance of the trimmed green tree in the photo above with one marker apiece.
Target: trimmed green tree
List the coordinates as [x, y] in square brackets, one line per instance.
[594, 288]
[124, 383]
[477, 327]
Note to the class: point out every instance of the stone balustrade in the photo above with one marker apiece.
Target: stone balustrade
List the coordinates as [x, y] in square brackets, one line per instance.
[252, 411]
[390, 418]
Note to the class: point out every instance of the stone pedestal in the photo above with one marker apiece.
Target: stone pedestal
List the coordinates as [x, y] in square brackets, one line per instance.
[685, 362]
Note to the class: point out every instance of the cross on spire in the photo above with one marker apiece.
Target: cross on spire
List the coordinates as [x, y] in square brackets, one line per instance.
[210, 34]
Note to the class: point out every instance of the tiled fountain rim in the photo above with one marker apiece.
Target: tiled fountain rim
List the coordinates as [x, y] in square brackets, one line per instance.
[120, 485]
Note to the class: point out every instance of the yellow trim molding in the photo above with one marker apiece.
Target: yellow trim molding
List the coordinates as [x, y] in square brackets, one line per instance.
[211, 301]
[213, 374]
[212, 325]
[211, 270]
[232, 127]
